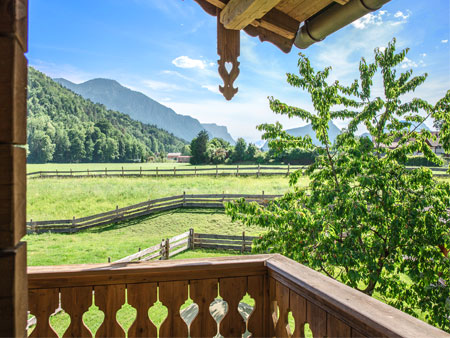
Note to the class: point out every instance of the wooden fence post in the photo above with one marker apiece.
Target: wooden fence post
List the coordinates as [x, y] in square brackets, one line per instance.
[88, 171]
[106, 171]
[72, 229]
[243, 242]
[71, 172]
[56, 172]
[195, 173]
[167, 251]
[156, 171]
[139, 250]
[237, 170]
[174, 171]
[109, 259]
[263, 196]
[216, 170]
[140, 171]
[162, 249]
[117, 211]
[289, 167]
[33, 226]
[184, 198]
[191, 239]
[259, 168]
[122, 171]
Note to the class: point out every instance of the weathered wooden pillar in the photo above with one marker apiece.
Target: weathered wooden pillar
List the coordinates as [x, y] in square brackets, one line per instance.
[13, 95]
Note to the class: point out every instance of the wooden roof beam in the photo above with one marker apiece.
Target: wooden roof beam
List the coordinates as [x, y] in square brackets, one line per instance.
[238, 14]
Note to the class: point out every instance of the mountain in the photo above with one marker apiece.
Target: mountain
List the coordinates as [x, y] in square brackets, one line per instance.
[218, 131]
[65, 127]
[142, 108]
[333, 132]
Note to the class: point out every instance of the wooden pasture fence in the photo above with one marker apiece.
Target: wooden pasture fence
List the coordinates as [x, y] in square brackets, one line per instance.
[141, 209]
[191, 240]
[180, 171]
[183, 171]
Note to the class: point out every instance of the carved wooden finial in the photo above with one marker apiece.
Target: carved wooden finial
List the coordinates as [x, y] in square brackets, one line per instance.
[228, 48]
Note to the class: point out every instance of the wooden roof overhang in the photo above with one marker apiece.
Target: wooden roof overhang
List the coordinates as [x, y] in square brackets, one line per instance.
[278, 22]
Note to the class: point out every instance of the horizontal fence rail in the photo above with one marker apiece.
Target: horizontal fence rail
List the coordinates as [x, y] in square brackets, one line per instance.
[142, 209]
[181, 171]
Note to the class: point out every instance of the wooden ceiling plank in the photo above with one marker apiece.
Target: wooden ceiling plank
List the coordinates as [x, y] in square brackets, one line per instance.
[305, 9]
[238, 14]
[341, 2]
[218, 3]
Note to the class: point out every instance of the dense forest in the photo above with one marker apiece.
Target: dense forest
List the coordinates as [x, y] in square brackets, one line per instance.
[65, 127]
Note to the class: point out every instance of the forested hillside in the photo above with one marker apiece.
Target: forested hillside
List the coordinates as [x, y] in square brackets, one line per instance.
[64, 127]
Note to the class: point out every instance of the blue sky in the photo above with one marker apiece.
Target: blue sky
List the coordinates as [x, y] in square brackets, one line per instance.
[167, 50]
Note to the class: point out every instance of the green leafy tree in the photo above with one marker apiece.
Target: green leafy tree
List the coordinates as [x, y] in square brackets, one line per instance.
[365, 219]
[198, 148]
[238, 154]
[250, 153]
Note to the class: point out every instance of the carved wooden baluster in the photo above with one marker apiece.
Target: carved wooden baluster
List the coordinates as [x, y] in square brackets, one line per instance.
[232, 290]
[109, 299]
[273, 307]
[173, 295]
[42, 303]
[317, 319]
[297, 304]
[76, 301]
[142, 297]
[203, 292]
[282, 329]
[336, 328]
[256, 291]
[228, 48]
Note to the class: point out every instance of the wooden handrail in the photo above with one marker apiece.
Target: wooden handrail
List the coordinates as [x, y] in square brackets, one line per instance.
[345, 311]
[278, 285]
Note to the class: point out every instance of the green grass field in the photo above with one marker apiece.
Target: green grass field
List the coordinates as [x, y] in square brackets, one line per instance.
[64, 198]
[122, 239]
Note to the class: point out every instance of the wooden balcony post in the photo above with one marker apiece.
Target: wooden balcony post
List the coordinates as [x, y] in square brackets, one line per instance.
[13, 115]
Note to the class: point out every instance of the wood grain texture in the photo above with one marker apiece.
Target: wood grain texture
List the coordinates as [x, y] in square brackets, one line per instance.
[12, 195]
[317, 319]
[232, 290]
[203, 293]
[282, 328]
[13, 92]
[43, 303]
[297, 304]
[302, 10]
[238, 14]
[14, 20]
[173, 295]
[76, 301]
[13, 291]
[109, 299]
[142, 297]
[145, 272]
[336, 328]
[256, 291]
[284, 44]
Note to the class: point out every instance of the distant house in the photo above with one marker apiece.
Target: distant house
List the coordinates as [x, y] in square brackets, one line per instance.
[173, 156]
[436, 146]
[184, 159]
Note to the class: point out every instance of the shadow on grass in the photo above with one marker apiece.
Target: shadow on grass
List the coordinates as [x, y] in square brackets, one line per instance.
[137, 220]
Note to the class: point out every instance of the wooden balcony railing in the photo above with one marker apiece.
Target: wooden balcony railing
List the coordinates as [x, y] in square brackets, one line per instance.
[278, 286]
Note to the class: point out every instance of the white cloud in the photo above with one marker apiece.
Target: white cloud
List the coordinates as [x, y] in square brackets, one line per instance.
[400, 14]
[186, 62]
[212, 88]
[158, 85]
[423, 55]
[369, 19]
[444, 41]
[407, 63]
